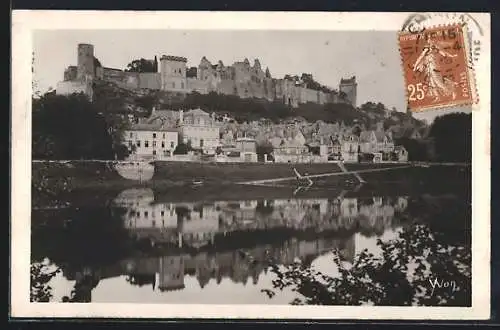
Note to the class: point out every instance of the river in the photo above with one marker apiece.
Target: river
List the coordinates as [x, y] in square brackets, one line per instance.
[152, 246]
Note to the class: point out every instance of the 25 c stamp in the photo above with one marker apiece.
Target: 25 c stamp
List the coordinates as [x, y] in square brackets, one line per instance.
[436, 68]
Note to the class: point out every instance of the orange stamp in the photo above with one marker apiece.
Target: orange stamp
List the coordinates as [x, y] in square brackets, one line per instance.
[437, 69]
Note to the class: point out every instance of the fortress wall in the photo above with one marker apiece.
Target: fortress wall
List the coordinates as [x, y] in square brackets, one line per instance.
[70, 87]
[129, 80]
[269, 89]
[226, 87]
[308, 95]
[149, 80]
[322, 97]
[240, 79]
[256, 89]
[195, 85]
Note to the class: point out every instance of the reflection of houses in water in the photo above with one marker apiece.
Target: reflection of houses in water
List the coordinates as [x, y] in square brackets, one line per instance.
[376, 214]
[241, 266]
[197, 224]
[171, 273]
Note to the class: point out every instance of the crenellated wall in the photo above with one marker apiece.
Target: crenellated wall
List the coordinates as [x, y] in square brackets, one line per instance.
[241, 79]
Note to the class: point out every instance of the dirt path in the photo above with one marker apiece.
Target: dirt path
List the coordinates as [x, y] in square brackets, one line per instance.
[356, 173]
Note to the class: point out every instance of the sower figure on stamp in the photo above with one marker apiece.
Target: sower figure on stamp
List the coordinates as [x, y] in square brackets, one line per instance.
[427, 63]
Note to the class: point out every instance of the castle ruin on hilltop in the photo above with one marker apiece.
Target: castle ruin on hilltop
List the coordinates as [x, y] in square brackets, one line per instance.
[173, 75]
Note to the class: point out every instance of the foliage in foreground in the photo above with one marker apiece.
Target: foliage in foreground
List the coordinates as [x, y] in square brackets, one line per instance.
[413, 269]
[41, 274]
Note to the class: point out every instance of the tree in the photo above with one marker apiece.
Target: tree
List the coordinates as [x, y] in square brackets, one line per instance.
[183, 148]
[417, 150]
[263, 149]
[69, 127]
[142, 65]
[452, 135]
[356, 130]
[382, 280]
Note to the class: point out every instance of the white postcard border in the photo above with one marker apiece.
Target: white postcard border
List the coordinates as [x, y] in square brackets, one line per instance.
[24, 22]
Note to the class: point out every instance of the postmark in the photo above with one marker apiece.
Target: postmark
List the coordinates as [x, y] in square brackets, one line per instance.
[418, 22]
[436, 68]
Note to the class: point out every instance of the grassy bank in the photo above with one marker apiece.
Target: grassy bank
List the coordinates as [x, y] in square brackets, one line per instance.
[94, 181]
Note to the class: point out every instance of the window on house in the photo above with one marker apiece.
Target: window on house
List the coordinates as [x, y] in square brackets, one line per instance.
[201, 143]
[162, 213]
[163, 135]
[154, 135]
[163, 144]
[131, 135]
[172, 144]
[138, 143]
[146, 144]
[153, 223]
[146, 214]
[154, 143]
[154, 152]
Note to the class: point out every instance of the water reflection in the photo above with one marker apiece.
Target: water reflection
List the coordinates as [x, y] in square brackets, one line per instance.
[196, 224]
[173, 248]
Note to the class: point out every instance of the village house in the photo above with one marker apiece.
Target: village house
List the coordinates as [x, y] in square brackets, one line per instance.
[375, 142]
[150, 141]
[239, 150]
[289, 147]
[350, 148]
[247, 148]
[401, 154]
[198, 128]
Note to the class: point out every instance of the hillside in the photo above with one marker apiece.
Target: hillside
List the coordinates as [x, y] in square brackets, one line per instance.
[140, 102]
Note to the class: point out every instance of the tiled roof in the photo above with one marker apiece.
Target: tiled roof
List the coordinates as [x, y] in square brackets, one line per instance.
[379, 136]
[197, 112]
[151, 127]
[164, 114]
[365, 136]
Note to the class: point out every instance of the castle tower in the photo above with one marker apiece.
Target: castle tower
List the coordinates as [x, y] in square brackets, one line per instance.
[173, 73]
[86, 67]
[349, 87]
[204, 68]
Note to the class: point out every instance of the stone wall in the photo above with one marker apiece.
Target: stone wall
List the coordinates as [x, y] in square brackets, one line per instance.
[149, 80]
[71, 87]
[129, 80]
[300, 159]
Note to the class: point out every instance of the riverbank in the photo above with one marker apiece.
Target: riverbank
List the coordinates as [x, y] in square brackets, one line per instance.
[55, 183]
[88, 174]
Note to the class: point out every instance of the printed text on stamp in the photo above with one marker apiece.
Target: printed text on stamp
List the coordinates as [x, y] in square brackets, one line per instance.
[436, 68]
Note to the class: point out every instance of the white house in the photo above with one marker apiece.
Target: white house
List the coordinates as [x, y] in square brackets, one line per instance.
[375, 141]
[247, 148]
[150, 141]
[349, 148]
[401, 153]
[199, 129]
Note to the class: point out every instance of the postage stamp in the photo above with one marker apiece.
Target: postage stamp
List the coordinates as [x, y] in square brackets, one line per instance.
[436, 68]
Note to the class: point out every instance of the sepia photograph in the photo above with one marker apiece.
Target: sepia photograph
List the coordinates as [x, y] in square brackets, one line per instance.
[188, 165]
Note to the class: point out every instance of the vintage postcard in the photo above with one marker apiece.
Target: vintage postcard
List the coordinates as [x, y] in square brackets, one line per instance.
[240, 165]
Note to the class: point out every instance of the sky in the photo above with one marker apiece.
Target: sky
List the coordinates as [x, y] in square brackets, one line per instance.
[372, 56]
